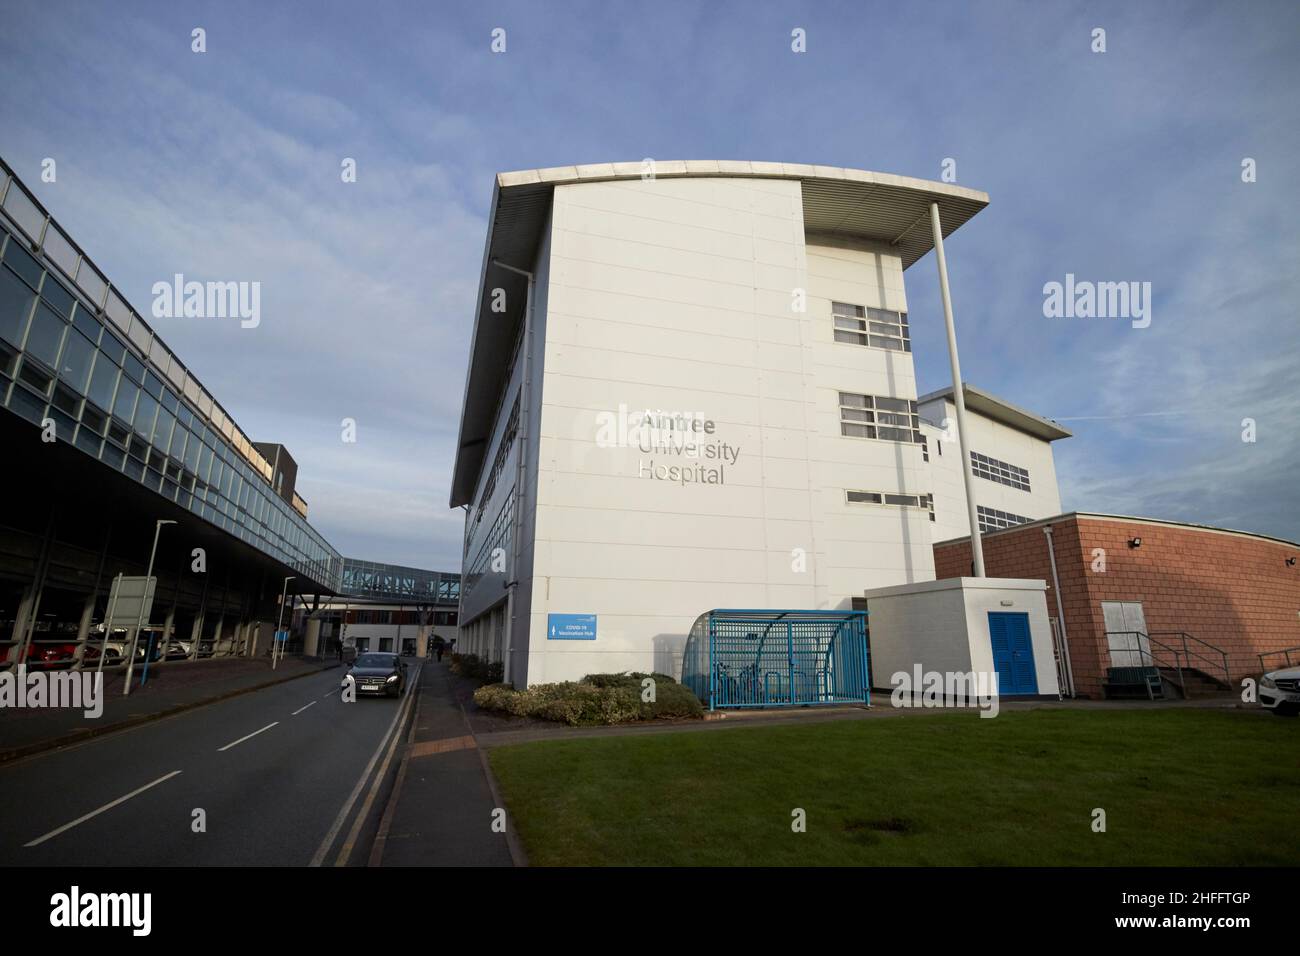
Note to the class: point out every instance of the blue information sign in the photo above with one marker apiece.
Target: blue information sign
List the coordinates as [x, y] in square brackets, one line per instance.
[571, 627]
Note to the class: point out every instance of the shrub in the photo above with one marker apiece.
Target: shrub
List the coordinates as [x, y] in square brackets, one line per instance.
[629, 679]
[672, 701]
[472, 666]
[596, 699]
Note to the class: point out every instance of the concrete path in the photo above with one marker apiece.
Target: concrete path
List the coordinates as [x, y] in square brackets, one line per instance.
[444, 802]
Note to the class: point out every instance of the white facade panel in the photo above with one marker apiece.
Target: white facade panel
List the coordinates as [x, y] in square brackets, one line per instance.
[992, 439]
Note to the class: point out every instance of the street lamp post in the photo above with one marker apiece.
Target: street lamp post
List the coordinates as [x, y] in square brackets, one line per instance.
[275, 653]
[139, 622]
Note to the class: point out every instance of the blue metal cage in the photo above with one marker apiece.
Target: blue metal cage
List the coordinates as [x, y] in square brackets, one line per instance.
[756, 658]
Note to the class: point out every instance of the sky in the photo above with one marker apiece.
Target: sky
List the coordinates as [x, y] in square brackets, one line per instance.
[1122, 165]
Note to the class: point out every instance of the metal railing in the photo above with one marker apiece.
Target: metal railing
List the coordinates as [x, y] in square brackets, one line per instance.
[1287, 653]
[1198, 652]
[1184, 651]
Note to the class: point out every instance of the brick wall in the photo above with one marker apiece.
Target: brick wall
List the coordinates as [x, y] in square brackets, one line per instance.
[1234, 591]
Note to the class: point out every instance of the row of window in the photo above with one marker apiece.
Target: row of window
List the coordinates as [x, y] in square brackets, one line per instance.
[498, 464]
[990, 519]
[873, 328]
[372, 579]
[497, 542]
[90, 286]
[59, 362]
[999, 471]
[893, 499]
[877, 416]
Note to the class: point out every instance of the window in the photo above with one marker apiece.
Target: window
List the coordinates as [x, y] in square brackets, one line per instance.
[102, 382]
[999, 471]
[57, 296]
[124, 407]
[890, 498]
[133, 367]
[145, 414]
[874, 328]
[876, 416]
[75, 364]
[8, 359]
[925, 449]
[45, 335]
[15, 306]
[991, 519]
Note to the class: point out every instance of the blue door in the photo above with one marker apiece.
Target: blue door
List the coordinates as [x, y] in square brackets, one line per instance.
[1013, 652]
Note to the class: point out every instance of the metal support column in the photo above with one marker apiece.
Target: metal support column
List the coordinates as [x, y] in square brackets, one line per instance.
[958, 393]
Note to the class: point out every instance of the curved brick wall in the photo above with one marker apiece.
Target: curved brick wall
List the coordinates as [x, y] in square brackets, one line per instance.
[1233, 590]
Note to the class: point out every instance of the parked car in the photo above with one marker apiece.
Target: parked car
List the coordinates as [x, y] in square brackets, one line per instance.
[48, 654]
[1279, 691]
[377, 673]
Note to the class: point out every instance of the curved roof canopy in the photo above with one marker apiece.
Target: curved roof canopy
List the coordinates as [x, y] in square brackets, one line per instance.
[837, 202]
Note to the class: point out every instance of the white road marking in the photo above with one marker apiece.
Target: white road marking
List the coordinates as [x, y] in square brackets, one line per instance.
[246, 737]
[323, 850]
[95, 813]
[301, 709]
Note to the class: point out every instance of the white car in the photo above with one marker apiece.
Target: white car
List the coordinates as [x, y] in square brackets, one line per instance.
[1279, 691]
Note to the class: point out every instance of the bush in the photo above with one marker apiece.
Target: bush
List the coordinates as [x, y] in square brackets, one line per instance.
[629, 679]
[472, 666]
[596, 699]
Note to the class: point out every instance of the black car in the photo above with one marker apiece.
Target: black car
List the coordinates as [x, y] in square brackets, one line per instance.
[377, 673]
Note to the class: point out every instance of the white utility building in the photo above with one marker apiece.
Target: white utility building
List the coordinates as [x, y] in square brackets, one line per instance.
[690, 387]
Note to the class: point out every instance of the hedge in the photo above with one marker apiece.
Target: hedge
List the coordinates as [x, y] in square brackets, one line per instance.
[470, 665]
[596, 699]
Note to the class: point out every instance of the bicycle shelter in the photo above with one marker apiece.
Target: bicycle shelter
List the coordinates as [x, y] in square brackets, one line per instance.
[777, 658]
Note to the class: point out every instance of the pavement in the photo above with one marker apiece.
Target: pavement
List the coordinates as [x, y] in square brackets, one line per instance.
[285, 775]
[445, 809]
[169, 689]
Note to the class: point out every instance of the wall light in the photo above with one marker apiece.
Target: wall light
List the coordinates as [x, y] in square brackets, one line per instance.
[1290, 562]
[1135, 542]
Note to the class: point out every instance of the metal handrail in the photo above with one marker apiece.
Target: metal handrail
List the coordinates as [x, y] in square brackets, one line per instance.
[1287, 651]
[1148, 658]
[1222, 662]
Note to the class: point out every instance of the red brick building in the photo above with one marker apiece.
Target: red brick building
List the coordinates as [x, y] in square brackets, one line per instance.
[1197, 594]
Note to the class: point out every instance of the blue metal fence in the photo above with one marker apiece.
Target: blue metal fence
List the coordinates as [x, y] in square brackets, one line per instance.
[757, 658]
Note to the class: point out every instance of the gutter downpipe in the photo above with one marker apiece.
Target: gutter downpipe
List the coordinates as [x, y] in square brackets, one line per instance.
[1060, 609]
[521, 438]
[958, 395]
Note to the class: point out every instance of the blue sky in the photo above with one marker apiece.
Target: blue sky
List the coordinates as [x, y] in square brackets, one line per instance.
[1124, 165]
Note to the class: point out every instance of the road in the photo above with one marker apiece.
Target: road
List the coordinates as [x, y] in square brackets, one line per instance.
[286, 776]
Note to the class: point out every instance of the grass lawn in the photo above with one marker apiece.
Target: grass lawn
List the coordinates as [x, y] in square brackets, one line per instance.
[1179, 787]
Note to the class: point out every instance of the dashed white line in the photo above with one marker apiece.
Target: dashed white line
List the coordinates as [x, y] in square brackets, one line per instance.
[301, 709]
[247, 736]
[95, 813]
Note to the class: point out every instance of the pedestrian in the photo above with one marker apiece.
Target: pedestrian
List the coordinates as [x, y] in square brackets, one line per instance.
[438, 645]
